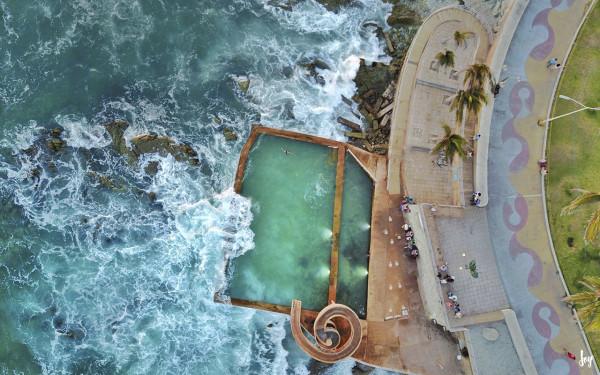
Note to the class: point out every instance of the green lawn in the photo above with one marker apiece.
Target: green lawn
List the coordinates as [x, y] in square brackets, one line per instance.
[574, 159]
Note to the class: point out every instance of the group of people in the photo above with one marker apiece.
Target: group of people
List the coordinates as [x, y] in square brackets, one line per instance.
[446, 278]
[404, 205]
[454, 305]
[411, 245]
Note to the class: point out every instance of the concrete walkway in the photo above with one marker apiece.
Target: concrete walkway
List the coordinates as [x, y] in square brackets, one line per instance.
[516, 210]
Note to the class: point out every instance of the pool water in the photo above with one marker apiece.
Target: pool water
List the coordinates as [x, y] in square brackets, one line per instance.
[292, 205]
[292, 198]
[355, 237]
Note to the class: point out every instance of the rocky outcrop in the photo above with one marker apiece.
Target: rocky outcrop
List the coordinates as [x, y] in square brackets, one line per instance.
[242, 82]
[116, 130]
[230, 135]
[147, 144]
[375, 82]
[402, 15]
[55, 142]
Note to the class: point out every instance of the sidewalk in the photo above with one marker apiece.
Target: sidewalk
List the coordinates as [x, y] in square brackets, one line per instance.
[516, 208]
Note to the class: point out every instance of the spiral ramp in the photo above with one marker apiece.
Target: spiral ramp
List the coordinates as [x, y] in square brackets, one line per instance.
[336, 331]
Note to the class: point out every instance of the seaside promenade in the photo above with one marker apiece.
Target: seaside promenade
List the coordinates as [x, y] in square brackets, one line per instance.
[521, 244]
[516, 210]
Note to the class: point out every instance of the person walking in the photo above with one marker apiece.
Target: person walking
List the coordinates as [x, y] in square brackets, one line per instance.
[552, 62]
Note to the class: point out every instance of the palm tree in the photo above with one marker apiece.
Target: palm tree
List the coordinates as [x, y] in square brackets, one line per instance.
[445, 58]
[477, 75]
[588, 302]
[472, 100]
[592, 228]
[460, 37]
[452, 144]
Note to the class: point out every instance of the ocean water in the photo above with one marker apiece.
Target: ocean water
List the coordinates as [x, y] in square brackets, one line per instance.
[99, 280]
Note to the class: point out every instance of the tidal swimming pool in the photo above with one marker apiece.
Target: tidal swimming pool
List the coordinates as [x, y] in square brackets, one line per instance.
[292, 187]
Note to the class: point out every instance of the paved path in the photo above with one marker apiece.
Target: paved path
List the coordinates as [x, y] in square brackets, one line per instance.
[516, 212]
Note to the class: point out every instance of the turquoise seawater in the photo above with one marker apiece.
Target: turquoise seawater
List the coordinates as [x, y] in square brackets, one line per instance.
[292, 204]
[101, 280]
[355, 237]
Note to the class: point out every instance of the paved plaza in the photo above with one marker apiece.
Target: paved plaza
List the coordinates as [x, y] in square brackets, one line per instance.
[462, 240]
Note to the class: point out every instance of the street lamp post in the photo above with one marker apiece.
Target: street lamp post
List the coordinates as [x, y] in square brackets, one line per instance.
[582, 106]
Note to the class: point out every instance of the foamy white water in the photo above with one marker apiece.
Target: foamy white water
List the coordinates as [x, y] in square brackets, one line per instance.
[100, 277]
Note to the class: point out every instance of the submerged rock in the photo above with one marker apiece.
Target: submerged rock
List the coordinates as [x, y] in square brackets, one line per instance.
[106, 181]
[312, 66]
[287, 71]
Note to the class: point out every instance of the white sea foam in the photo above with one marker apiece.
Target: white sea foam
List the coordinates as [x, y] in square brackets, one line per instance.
[79, 133]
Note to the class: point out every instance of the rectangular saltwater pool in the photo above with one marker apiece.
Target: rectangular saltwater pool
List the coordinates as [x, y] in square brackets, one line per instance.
[292, 186]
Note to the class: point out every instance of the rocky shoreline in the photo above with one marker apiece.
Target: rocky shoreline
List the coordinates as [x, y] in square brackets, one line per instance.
[376, 82]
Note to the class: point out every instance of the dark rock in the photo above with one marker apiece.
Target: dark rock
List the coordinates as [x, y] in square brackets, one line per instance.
[105, 181]
[152, 196]
[152, 168]
[56, 144]
[116, 130]
[30, 151]
[402, 15]
[162, 145]
[361, 368]
[56, 132]
[229, 134]
[287, 71]
[312, 66]
[243, 83]
[288, 110]
[375, 77]
[36, 173]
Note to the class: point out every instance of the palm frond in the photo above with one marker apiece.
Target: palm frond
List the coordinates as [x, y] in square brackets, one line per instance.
[445, 58]
[587, 302]
[458, 105]
[477, 75]
[592, 283]
[460, 37]
[593, 227]
[451, 144]
[585, 196]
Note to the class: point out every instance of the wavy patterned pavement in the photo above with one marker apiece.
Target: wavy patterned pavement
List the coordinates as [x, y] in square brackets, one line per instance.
[337, 332]
[516, 210]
